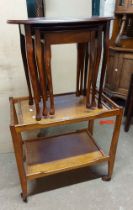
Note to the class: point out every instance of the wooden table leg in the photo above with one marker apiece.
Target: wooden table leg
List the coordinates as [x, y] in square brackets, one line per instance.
[39, 58]
[97, 58]
[129, 116]
[91, 126]
[129, 106]
[78, 70]
[129, 109]
[18, 149]
[113, 146]
[36, 73]
[85, 68]
[23, 53]
[80, 66]
[47, 60]
[104, 62]
[32, 69]
[89, 82]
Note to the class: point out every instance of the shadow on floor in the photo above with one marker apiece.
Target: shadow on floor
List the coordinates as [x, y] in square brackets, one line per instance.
[64, 179]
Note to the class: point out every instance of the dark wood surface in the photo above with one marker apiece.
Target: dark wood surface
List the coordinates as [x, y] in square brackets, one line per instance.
[118, 74]
[60, 147]
[25, 64]
[46, 156]
[60, 21]
[129, 106]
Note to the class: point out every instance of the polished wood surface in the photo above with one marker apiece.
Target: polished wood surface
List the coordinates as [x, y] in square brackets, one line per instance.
[69, 109]
[60, 21]
[61, 153]
[59, 147]
[41, 170]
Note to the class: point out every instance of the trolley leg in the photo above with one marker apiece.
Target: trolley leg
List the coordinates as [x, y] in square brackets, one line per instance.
[113, 146]
[91, 126]
[18, 149]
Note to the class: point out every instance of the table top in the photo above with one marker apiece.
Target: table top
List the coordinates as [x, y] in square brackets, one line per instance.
[69, 109]
[61, 21]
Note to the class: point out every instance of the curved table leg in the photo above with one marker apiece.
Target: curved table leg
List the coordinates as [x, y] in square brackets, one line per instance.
[47, 59]
[104, 62]
[32, 69]
[39, 58]
[85, 68]
[23, 53]
[97, 58]
[89, 82]
[80, 66]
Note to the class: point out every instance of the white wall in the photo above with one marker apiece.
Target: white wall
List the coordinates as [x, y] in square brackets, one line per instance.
[12, 80]
[107, 8]
[64, 56]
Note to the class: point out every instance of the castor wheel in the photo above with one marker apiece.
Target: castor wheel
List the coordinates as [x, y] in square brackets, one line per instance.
[24, 198]
[38, 117]
[106, 178]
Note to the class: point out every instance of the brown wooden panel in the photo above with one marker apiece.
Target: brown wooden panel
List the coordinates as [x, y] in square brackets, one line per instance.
[118, 74]
[67, 107]
[60, 147]
[67, 37]
[126, 71]
[112, 71]
[61, 153]
[60, 21]
[41, 170]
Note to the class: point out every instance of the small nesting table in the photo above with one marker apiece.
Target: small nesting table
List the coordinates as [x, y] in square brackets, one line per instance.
[59, 31]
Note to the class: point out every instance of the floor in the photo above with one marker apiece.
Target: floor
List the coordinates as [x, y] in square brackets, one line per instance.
[80, 189]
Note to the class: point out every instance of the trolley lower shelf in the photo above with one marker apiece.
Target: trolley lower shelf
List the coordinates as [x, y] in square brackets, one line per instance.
[52, 155]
